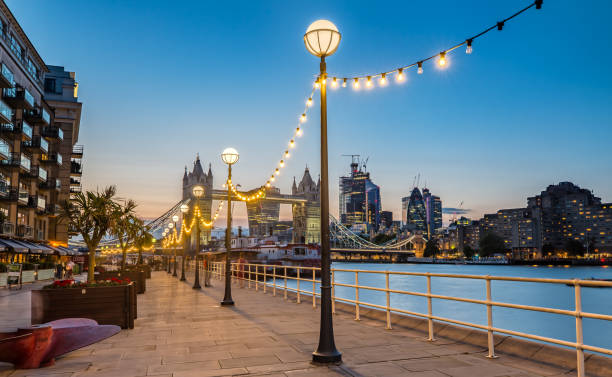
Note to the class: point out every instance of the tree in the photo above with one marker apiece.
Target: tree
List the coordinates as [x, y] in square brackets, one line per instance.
[381, 238]
[142, 239]
[125, 226]
[490, 244]
[468, 251]
[91, 215]
[574, 247]
[431, 248]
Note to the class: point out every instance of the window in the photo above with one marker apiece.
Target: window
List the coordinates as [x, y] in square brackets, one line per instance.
[16, 47]
[5, 148]
[50, 85]
[32, 69]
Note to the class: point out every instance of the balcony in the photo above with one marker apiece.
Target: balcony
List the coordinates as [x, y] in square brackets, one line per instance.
[39, 203]
[7, 80]
[25, 129]
[76, 168]
[50, 184]
[25, 231]
[5, 149]
[6, 113]
[7, 229]
[53, 133]
[25, 164]
[12, 162]
[18, 98]
[38, 116]
[77, 151]
[37, 143]
[53, 209]
[5, 189]
[23, 197]
[51, 158]
[9, 194]
[42, 174]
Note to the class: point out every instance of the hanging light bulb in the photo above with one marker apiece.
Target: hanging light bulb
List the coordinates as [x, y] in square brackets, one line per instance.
[272, 178]
[344, 82]
[303, 118]
[324, 81]
[442, 59]
[468, 49]
[356, 83]
[383, 79]
[400, 75]
[369, 82]
[287, 154]
[334, 83]
[291, 143]
[316, 84]
[309, 102]
[420, 69]
[298, 132]
[277, 172]
[281, 163]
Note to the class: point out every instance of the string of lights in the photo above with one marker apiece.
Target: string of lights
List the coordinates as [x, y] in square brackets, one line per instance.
[400, 73]
[261, 191]
[176, 238]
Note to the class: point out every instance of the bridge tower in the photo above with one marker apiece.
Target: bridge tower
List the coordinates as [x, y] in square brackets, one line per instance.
[198, 177]
[307, 216]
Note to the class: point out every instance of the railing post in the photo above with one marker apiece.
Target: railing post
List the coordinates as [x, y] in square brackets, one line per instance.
[285, 282]
[579, 339]
[333, 292]
[314, 287]
[388, 300]
[357, 296]
[298, 286]
[273, 280]
[429, 310]
[249, 276]
[491, 354]
[256, 278]
[265, 281]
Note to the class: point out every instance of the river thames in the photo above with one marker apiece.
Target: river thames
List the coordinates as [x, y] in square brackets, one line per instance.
[594, 300]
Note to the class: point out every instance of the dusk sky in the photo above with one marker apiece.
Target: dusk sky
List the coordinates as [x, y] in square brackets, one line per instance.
[161, 81]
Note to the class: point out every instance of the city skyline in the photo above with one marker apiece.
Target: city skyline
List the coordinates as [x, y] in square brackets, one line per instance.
[481, 149]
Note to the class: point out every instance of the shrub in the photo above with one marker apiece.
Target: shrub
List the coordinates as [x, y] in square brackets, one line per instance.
[28, 266]
[59, 284]
[3, 268]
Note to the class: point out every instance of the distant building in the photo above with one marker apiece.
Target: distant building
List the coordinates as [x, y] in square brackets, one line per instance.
[433, 211]
[359, 203]
[263, 215]
[197, 177]
[307, 216]
[386, 219]
[414, 211]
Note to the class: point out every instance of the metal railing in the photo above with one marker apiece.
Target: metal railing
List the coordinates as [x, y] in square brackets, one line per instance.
[275, 277]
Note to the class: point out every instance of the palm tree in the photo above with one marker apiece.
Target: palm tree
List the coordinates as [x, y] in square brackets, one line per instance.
[125, 226]
[91, 215]
[142, 239]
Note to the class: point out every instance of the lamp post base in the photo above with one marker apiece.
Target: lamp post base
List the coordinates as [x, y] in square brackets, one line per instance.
[229, 302]
[327, 357]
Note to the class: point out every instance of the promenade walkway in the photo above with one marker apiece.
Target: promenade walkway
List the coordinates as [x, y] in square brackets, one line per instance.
[181, 332]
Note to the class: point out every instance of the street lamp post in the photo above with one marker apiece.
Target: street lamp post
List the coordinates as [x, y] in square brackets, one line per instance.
[229, 156]
[198, 191]
[184, 210]
[322, 39]
[173, 226]
[166, 232]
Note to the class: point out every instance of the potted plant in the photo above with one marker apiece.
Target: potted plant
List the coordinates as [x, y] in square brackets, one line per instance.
[109, 302]
[3, 275]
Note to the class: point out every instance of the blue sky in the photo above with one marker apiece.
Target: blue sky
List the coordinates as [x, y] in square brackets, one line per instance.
[160, 81]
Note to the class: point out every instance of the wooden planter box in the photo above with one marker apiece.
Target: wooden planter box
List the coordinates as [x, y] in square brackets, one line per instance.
[114, 305]
[46, 274]
[142, 267]
[3, 279]
[28, 276]
[138, 277]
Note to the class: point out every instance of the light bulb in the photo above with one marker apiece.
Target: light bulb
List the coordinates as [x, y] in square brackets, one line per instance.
[442, 59]
[316, 84]
[383, 79]
[291, 143]
[268, 184]
[287, 154]
[356, 83]
[298, 132]
[309, 102]
[468, 49]
[281, 163]
[344, 83]
[277, 172]
[400, 75]
[334, 83]
[303, 118]
[369, 82]
[272, 178]
[420, 69]
[324, 81]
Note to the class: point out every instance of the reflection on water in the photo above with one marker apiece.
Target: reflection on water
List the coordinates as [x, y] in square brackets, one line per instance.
[594, 300]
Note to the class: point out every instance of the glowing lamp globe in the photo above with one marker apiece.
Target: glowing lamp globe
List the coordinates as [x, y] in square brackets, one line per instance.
[230, 156]
[175, 218]
[171, 225]
[184, 208]
[198, 191]
[322, 38]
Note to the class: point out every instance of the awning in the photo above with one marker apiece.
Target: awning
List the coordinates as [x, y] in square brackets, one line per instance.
[46, 249]
[58, 251]
[14, 246]
[34, 249]
[3, 247]
[67, 250]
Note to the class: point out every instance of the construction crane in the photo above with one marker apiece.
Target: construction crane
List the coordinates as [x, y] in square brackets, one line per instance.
[456, 211]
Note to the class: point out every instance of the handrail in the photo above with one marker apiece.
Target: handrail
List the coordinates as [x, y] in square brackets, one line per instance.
[260, 274]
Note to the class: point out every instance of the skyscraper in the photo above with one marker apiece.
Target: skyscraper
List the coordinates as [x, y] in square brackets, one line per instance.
[433, 211]
[360, 203]
[414, 211]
